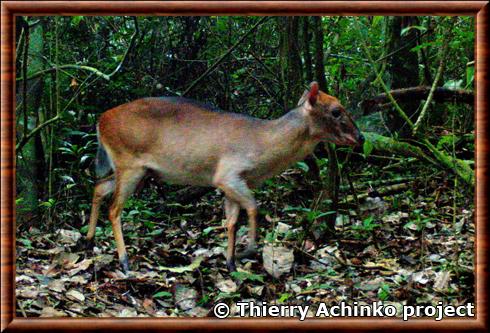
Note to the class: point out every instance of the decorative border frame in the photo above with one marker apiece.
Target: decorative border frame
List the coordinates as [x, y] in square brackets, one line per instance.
[10, 9]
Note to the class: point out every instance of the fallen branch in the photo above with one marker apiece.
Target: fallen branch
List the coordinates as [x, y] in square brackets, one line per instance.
[401, 164]
[441, 94]
[442, 160]
[378, 182]
[459, 167]
[381, 192]
[388, 145]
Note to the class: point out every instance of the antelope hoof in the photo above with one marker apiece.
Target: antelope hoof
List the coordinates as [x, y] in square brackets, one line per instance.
[249, 252]
[89, 244]
[231, 266]
[124, 264]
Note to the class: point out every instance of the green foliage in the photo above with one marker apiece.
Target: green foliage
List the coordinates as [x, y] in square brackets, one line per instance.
[169, 53]
[419, 220]
[446, 141]
[470, 76]
[375, 248]
[368, 225]
[310, 214]
[75, 20]
[284, 297]
[162, 294]
[384, 292]
[416, 27]
[367, 147]
[247, 276]
[25, 242]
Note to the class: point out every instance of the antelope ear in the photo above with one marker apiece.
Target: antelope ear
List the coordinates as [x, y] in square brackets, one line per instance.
[303, 98]
[313, 93]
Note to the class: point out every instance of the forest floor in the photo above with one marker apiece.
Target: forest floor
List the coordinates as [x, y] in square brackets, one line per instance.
[414, 245]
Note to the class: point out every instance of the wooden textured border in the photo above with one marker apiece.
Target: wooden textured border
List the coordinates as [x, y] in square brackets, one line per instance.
[11, 8]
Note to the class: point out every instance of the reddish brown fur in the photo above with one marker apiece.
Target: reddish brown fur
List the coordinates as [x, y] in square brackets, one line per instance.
[188, 144]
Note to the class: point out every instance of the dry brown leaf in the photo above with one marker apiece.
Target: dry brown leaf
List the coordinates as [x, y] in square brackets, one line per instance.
[278, 260]
[75, 295]
[52, 312]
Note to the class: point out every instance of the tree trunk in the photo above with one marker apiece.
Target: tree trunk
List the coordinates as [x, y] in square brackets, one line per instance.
[403, 66]
[306, 50]
[332, 181]
[291, 66]
[31, 167]
[319, 65]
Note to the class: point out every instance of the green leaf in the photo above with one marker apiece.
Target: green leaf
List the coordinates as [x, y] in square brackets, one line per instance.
[26, 242]
[67, 179]
[453, 84]
[189, 268]
[368, 221]
[50, 203]
[422, 46]
[470, 75]
[207, 230]
[223, 295]
[204, 300]
[75, 20]
[242, 276]
[162, 294]
[270, 236]
[408, 224]
[303, 166]
[384, 292]
[446, 141]
[367, 148]
[377, 20]
[417, 27]
[284, 297]
[156, 232]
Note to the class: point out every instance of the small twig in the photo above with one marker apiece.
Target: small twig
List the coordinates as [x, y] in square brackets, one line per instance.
[378, 156]
[201, 282]
[459, 167]
[402, 163]
[442, 64]
[341, 262]
[21, 307]
[216, 64]
[31, 134]
[267, 68]
[354, 194]
[131, 44]
[89, 68]
[69, 66]
[403, 47]
[312, 257]
[378, 79]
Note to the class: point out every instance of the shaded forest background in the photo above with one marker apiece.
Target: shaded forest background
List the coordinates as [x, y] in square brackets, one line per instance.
[389, 221]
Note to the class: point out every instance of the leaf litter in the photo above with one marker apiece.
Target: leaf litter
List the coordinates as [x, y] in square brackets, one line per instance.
[408, 252]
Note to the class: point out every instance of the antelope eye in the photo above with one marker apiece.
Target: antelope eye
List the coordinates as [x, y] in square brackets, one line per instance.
[336, 113]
